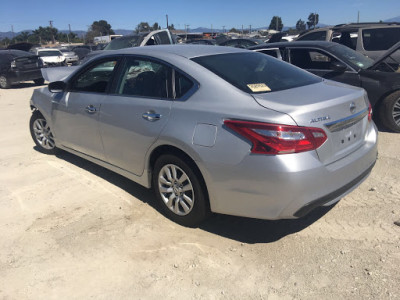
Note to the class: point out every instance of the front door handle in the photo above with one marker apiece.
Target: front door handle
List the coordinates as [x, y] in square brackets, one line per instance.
[151, 116]
[90, 109]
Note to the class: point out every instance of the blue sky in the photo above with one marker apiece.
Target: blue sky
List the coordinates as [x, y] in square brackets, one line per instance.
[30, 14]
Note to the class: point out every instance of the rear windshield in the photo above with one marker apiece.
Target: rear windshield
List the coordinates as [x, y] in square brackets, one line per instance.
[49, 53]
[256, 73]
[125, 42]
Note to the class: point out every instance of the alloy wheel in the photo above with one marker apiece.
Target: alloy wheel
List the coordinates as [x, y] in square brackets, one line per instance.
[43, 134]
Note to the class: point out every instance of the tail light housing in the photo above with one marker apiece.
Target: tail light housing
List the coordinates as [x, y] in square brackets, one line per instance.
[369, 112]
[276, 139]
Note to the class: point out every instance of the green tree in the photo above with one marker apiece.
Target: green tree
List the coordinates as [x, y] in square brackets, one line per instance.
[234, 30]
[300, 25]
[98, 28]
[276, 23]
[45, 34]
[143, 26]
[312, 20]
[23, 36]
[171, 27]
[156, 26]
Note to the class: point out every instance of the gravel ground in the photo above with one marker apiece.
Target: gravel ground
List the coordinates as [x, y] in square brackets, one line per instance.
[72, 230]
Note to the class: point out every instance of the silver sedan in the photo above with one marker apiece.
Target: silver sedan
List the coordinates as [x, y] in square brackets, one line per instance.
[212, 129]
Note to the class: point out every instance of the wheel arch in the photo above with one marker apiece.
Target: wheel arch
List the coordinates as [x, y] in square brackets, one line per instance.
[173, 150]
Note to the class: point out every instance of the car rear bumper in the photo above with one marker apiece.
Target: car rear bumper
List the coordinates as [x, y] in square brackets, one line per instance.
[288, 186]
[19, 75]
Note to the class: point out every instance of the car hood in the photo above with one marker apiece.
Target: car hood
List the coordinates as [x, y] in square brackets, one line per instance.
[389, 52]
[57, 73]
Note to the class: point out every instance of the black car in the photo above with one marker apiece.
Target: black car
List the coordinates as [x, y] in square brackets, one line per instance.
[202, 42]
[380, 78]
[17, 66]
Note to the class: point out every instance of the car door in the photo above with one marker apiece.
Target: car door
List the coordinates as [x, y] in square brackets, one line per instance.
[132, 118]
[76, 113]
[321, 63]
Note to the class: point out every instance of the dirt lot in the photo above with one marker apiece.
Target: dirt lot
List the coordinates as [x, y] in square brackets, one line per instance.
[72, 230]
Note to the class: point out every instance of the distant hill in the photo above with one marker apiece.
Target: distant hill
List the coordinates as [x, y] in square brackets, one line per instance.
[395, 19]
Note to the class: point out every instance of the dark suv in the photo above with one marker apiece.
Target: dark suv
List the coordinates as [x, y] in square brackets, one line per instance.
[17, 66]
[371, 39]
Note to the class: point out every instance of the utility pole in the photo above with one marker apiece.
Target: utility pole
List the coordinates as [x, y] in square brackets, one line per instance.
[186, 28]
[315, 19]
[51, 24]
[12, 30]
[223, 28]
[211, 30]
[250, 29]
[358, 17]
[276, 23]
[242, 30]
[69, 27]
[167, 20]
[52, 35]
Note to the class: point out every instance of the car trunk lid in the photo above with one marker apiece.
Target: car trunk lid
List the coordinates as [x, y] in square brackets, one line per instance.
[27, 62]
[340, 110]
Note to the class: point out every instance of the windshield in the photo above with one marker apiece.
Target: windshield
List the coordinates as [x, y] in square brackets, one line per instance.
[49, 53]
[256, 73]
[125, 42]
[351, 56]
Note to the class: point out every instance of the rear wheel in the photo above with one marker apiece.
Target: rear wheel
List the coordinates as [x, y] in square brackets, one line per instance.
[41, 134]
[389, 112]
[180, 190]
[4, 82]
[39, 81]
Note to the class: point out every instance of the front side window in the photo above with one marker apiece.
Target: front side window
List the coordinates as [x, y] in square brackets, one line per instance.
[311, 59]
[145, 78]
[96, 79]
[255, 72]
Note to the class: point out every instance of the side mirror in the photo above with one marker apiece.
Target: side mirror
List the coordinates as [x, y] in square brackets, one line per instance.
[338, 66]
[57, 86]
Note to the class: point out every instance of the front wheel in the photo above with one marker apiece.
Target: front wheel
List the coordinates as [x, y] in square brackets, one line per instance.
[41, 134]
[390, 112]
[4, 82]
[180, 190]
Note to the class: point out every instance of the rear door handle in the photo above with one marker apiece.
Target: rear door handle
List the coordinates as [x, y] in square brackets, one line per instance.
[151, 116]
[90, 109]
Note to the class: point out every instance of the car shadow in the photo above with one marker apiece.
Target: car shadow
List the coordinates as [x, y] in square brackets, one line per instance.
[245, 230]
[23, 85]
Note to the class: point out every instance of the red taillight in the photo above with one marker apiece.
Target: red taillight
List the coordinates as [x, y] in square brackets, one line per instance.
[278, 139]
[369, 112]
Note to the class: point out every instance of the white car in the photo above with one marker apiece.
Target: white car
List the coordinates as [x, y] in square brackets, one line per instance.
[51, 57]
[70, 56]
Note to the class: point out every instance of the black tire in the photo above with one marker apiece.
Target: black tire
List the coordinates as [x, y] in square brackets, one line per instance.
[41, 134]
[389, 112]
[199, 210]
[39, 81]
[4, 82]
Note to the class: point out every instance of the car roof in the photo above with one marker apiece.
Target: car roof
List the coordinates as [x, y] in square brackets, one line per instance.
[320, 44]
[187, 51]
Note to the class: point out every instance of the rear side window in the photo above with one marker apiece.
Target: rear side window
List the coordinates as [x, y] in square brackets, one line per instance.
[145, 78]
[270, 52]
[380, 38]
[255, 72]
[182, 85]
[313, 36]
[311, 59]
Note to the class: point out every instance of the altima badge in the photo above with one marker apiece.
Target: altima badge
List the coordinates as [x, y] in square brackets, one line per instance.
[319, 119]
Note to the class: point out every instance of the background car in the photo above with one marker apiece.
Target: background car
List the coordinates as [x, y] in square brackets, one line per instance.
[50, 57]
[202, 42]
[215, 129]
[17, 66]
[70, 56]
[371, 39]
[381, 79]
